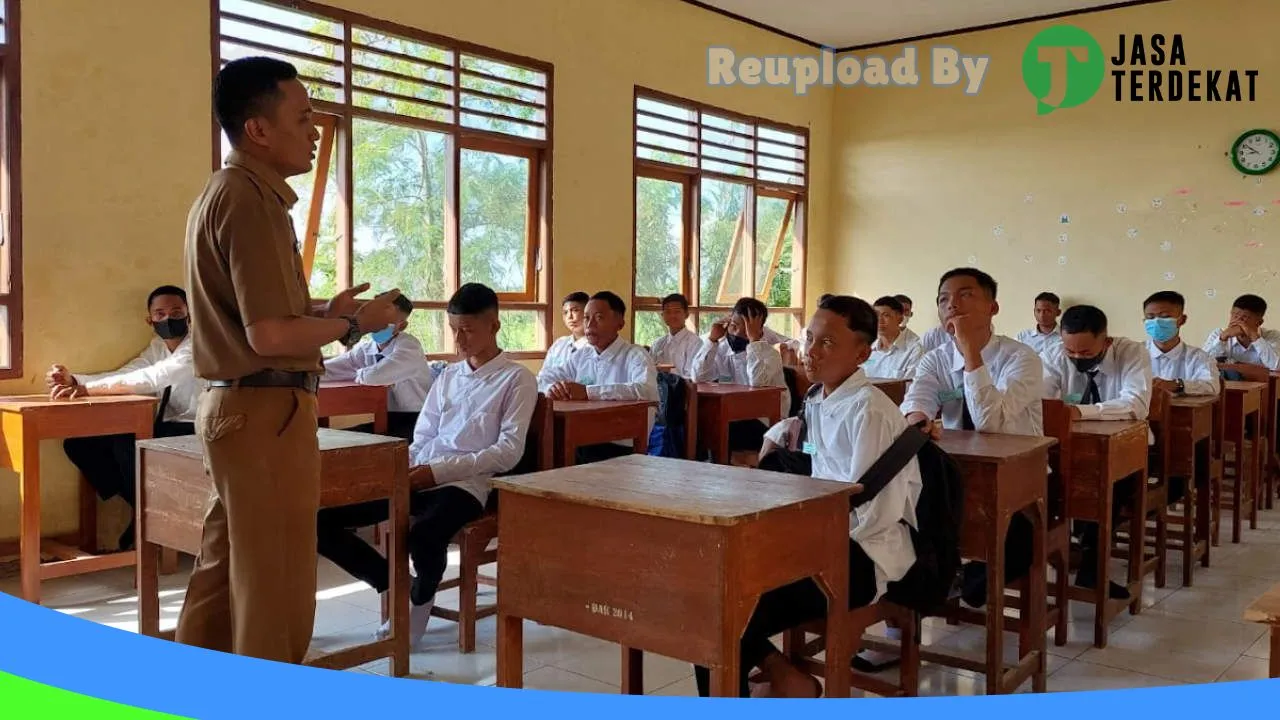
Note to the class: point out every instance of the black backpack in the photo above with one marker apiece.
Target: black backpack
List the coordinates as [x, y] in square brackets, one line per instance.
[671, 400]
[926, 586]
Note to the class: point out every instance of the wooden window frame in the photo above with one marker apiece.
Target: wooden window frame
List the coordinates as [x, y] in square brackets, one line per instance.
[11, 184]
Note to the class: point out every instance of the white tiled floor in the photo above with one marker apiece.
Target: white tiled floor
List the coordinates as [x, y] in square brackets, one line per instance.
[1184, 635]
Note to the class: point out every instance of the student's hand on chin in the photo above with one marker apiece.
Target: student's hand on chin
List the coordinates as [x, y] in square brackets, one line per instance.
[718, 330]
[754, 327]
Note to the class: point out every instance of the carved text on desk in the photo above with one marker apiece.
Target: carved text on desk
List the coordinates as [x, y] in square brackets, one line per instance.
[613, 612]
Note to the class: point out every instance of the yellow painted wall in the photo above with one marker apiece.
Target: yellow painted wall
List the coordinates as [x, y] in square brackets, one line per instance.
[922, 177]
[116, 146]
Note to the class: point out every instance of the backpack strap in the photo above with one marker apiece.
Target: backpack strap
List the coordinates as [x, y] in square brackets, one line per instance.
[810, 394]
[888, 465]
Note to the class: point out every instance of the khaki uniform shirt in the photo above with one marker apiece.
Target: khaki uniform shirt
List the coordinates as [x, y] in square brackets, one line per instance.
[243, 266]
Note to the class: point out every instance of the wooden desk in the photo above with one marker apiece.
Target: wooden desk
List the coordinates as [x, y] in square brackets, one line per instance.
[1102, 454]
[665, 367]
[1266, 610]
[1244, 401]
[26, 420]
[579, 423]
[174, 494]
[667, 556]
[335, 399]
[720, 404]
[1190, 440]
[1272, 469]
[1003, 475]
[895, 388]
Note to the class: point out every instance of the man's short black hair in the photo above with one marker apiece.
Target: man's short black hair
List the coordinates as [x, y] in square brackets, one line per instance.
[615, 303]
[985, 281]
[1167, 296]
[677, 298]
[1084, 319]
[473, 299]
[824, 297]
[1049, 298]
[579, 298]
[1251, 303]
[750, 306]
[246, 88]
[403, 304]
[903, 300]
[166, 290]
[859, 315]
[890, 302]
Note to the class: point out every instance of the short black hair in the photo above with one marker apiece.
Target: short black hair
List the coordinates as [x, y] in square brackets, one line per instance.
[859, 315]
[247, 88]
[985, 281]
[166, 290]
[677, 298]
[1251, 303]
[890, 302]
[824, 297]
[1049, 298]
[473, 299]
[1166, 296]
[403, 304]
[1084, 319]
[579, 297]
[902, 299]
[615, 303]
[750, 306]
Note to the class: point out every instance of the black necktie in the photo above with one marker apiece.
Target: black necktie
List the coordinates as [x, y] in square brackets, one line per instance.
[967, 422]
[379, 358]
[164, 405]
[1091, 394]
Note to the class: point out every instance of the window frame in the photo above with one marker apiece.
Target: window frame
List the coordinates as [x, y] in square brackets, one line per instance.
[538, 226]
[691, 177]
[11, 183]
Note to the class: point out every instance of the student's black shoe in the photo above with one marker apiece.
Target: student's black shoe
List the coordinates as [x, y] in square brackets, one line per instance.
[973, 585]
[863, 665]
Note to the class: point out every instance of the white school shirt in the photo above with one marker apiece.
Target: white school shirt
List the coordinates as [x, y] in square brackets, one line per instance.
[760, 365]
[896, 363]
[1038, 341]
[910, 335]
[474, 423]
[848, 431]
[1124, 381]
[1265, 351]
[935, 338]
[1193, 366]
[677, 350]
[622, 372]
[1003, 395]
[773, 337]
[401, 365]
[562, 349]
[153, 371]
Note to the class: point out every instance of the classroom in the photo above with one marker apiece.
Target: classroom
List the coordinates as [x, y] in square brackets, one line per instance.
[618, 253]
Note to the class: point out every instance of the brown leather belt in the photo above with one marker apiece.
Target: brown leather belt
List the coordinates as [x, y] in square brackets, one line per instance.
[273, 378]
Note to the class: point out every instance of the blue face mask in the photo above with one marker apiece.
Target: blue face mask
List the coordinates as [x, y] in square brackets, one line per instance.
[384, 335]
[1161, 329]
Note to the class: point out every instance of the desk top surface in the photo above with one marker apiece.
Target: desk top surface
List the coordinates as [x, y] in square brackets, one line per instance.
[992, 447]
[1106, 428]
[583, 406]
[731, 389]
[330, 440]
[1265, 609]
[27, 403]
[1243, 386]
[1193, 401]
[693, 492]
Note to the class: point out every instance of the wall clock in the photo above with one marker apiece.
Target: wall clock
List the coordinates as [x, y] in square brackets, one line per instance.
[1256, 152]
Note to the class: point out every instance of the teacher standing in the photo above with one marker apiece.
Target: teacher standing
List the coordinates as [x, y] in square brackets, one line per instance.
[256, 339]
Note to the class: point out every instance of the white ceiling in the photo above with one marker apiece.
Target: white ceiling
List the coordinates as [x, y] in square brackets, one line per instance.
[850, 23]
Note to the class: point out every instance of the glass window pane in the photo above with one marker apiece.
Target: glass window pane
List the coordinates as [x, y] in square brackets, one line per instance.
[399, 188]
[708, 317]
[520, 331]
[660, 108]
[6, 333]
[773, 275]
[495, 216]
[649, 327]
[431, 327]
[659, 237]
[721, 271]
[783, 322]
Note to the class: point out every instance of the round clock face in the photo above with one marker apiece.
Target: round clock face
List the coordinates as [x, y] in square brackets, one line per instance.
[1256, 152]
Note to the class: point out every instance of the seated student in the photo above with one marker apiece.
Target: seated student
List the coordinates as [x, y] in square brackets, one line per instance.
[389, 357]
[1100, 378]
[893, 355]
[736, 351]
[608, 368]
[1045, 334]
[1243, 340]
[680, 344]
[564, 348]
[471, 428]
[907, 314]
[164, 369]
[850, 425]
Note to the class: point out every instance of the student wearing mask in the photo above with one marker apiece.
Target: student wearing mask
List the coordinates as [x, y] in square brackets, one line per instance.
[564, 347]
[680, 344]
[1048, 307]
[907, 314]
[1243, 340]
[390, 358]
[893, 355]
[164, 370]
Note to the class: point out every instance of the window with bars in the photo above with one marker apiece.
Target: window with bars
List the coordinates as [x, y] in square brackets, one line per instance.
[10, 223]
[719, 213]
[432, 168]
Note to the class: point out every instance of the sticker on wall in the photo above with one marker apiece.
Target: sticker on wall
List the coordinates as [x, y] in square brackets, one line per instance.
[1063, 238]
[1253, 244]
[1168, 275]
[1131, 233]
[1166, 246]
[1157, 203]
[1122, 208]
[997, 230]
[1027, 259]
[1257, 181]
[1182, 191]
[1028, 198]
[1235, 203]
[1062, 259]
[1064, 219]
[973, 260]
[1193, 207]
[1210, 293]
[1259, 211]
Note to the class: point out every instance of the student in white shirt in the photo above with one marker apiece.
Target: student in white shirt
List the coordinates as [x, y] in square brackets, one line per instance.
[564, 348]
[390, 357]
[907, 314]
[850, 424]
[164, 369]
[1048, 307]
[1100, 378]
[1243, 340]
[608, 368]
[737, 351]
[680, 344]
[893, 355]
[472, 427]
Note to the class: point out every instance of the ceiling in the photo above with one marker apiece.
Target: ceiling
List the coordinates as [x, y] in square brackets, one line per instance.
[851, 24]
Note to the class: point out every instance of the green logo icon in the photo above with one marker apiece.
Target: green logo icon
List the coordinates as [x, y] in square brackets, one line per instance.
[1063, 67]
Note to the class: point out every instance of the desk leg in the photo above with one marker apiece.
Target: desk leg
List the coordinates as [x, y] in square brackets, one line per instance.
[1204, 519]
[1101, 594]
[1137, 542]
[88, 516]
[839, 650]
[398, 558]
[26, 462]
[1238, 484]
[632, 671]
[1255, 477]
[148, 587]
[1032, 639]
[510, 651]
[995, 608]
[380, 421]
[1274, 665]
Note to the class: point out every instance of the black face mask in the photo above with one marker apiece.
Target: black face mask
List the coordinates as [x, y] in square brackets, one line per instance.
[171, 329]
[1084, 365]
[737, 343]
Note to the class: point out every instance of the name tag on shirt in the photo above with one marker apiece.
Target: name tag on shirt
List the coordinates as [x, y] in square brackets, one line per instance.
[809, 448]
[946, 396]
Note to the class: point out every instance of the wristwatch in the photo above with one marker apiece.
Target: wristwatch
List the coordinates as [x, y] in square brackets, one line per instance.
[1182, 386]
[353, 331]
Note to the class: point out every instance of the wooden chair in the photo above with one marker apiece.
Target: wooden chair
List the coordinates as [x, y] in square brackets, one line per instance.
[1246, 480]
[1217, 466]
[803, 653]
[1159, 464]
[690, 420]
[1057, 424]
